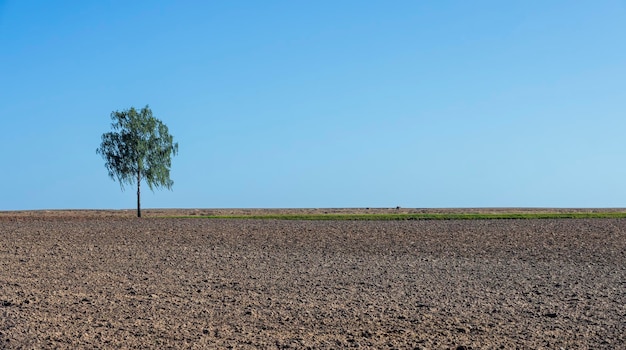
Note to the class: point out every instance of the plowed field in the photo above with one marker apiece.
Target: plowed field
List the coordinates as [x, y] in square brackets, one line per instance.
[105, 281]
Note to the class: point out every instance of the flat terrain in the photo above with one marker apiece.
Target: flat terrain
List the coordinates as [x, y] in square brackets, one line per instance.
[102, 279]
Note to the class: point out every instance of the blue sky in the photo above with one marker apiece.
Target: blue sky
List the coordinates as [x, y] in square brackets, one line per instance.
[320, 103]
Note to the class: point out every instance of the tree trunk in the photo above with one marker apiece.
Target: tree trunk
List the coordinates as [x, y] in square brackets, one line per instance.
[138, 193]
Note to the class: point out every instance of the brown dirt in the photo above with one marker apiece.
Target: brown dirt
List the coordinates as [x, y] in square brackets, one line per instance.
[131, 213]
[105, 280]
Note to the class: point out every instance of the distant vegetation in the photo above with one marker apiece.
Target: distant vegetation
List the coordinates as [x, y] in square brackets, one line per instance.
[419, 216]
[139, 148]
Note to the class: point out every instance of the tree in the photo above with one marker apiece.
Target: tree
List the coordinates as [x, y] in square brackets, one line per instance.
[139, 148]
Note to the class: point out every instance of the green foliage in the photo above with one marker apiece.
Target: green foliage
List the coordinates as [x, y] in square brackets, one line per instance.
[139, 148]
[424, 216]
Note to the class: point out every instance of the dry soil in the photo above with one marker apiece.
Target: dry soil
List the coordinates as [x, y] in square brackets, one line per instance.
[107, 280]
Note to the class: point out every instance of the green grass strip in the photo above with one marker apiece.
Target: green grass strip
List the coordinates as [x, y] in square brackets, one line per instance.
[417, 216]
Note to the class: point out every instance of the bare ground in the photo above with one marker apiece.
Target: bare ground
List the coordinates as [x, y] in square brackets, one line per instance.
[105, 280]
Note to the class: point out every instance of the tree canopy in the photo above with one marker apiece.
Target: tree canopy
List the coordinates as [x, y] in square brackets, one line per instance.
[139, 148]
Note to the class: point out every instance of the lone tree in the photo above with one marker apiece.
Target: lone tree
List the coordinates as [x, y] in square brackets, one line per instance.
[138, 148]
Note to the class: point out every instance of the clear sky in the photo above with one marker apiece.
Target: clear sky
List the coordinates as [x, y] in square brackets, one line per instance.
[320, 103]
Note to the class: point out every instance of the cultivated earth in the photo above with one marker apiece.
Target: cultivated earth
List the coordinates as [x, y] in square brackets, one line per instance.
[103, 279]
